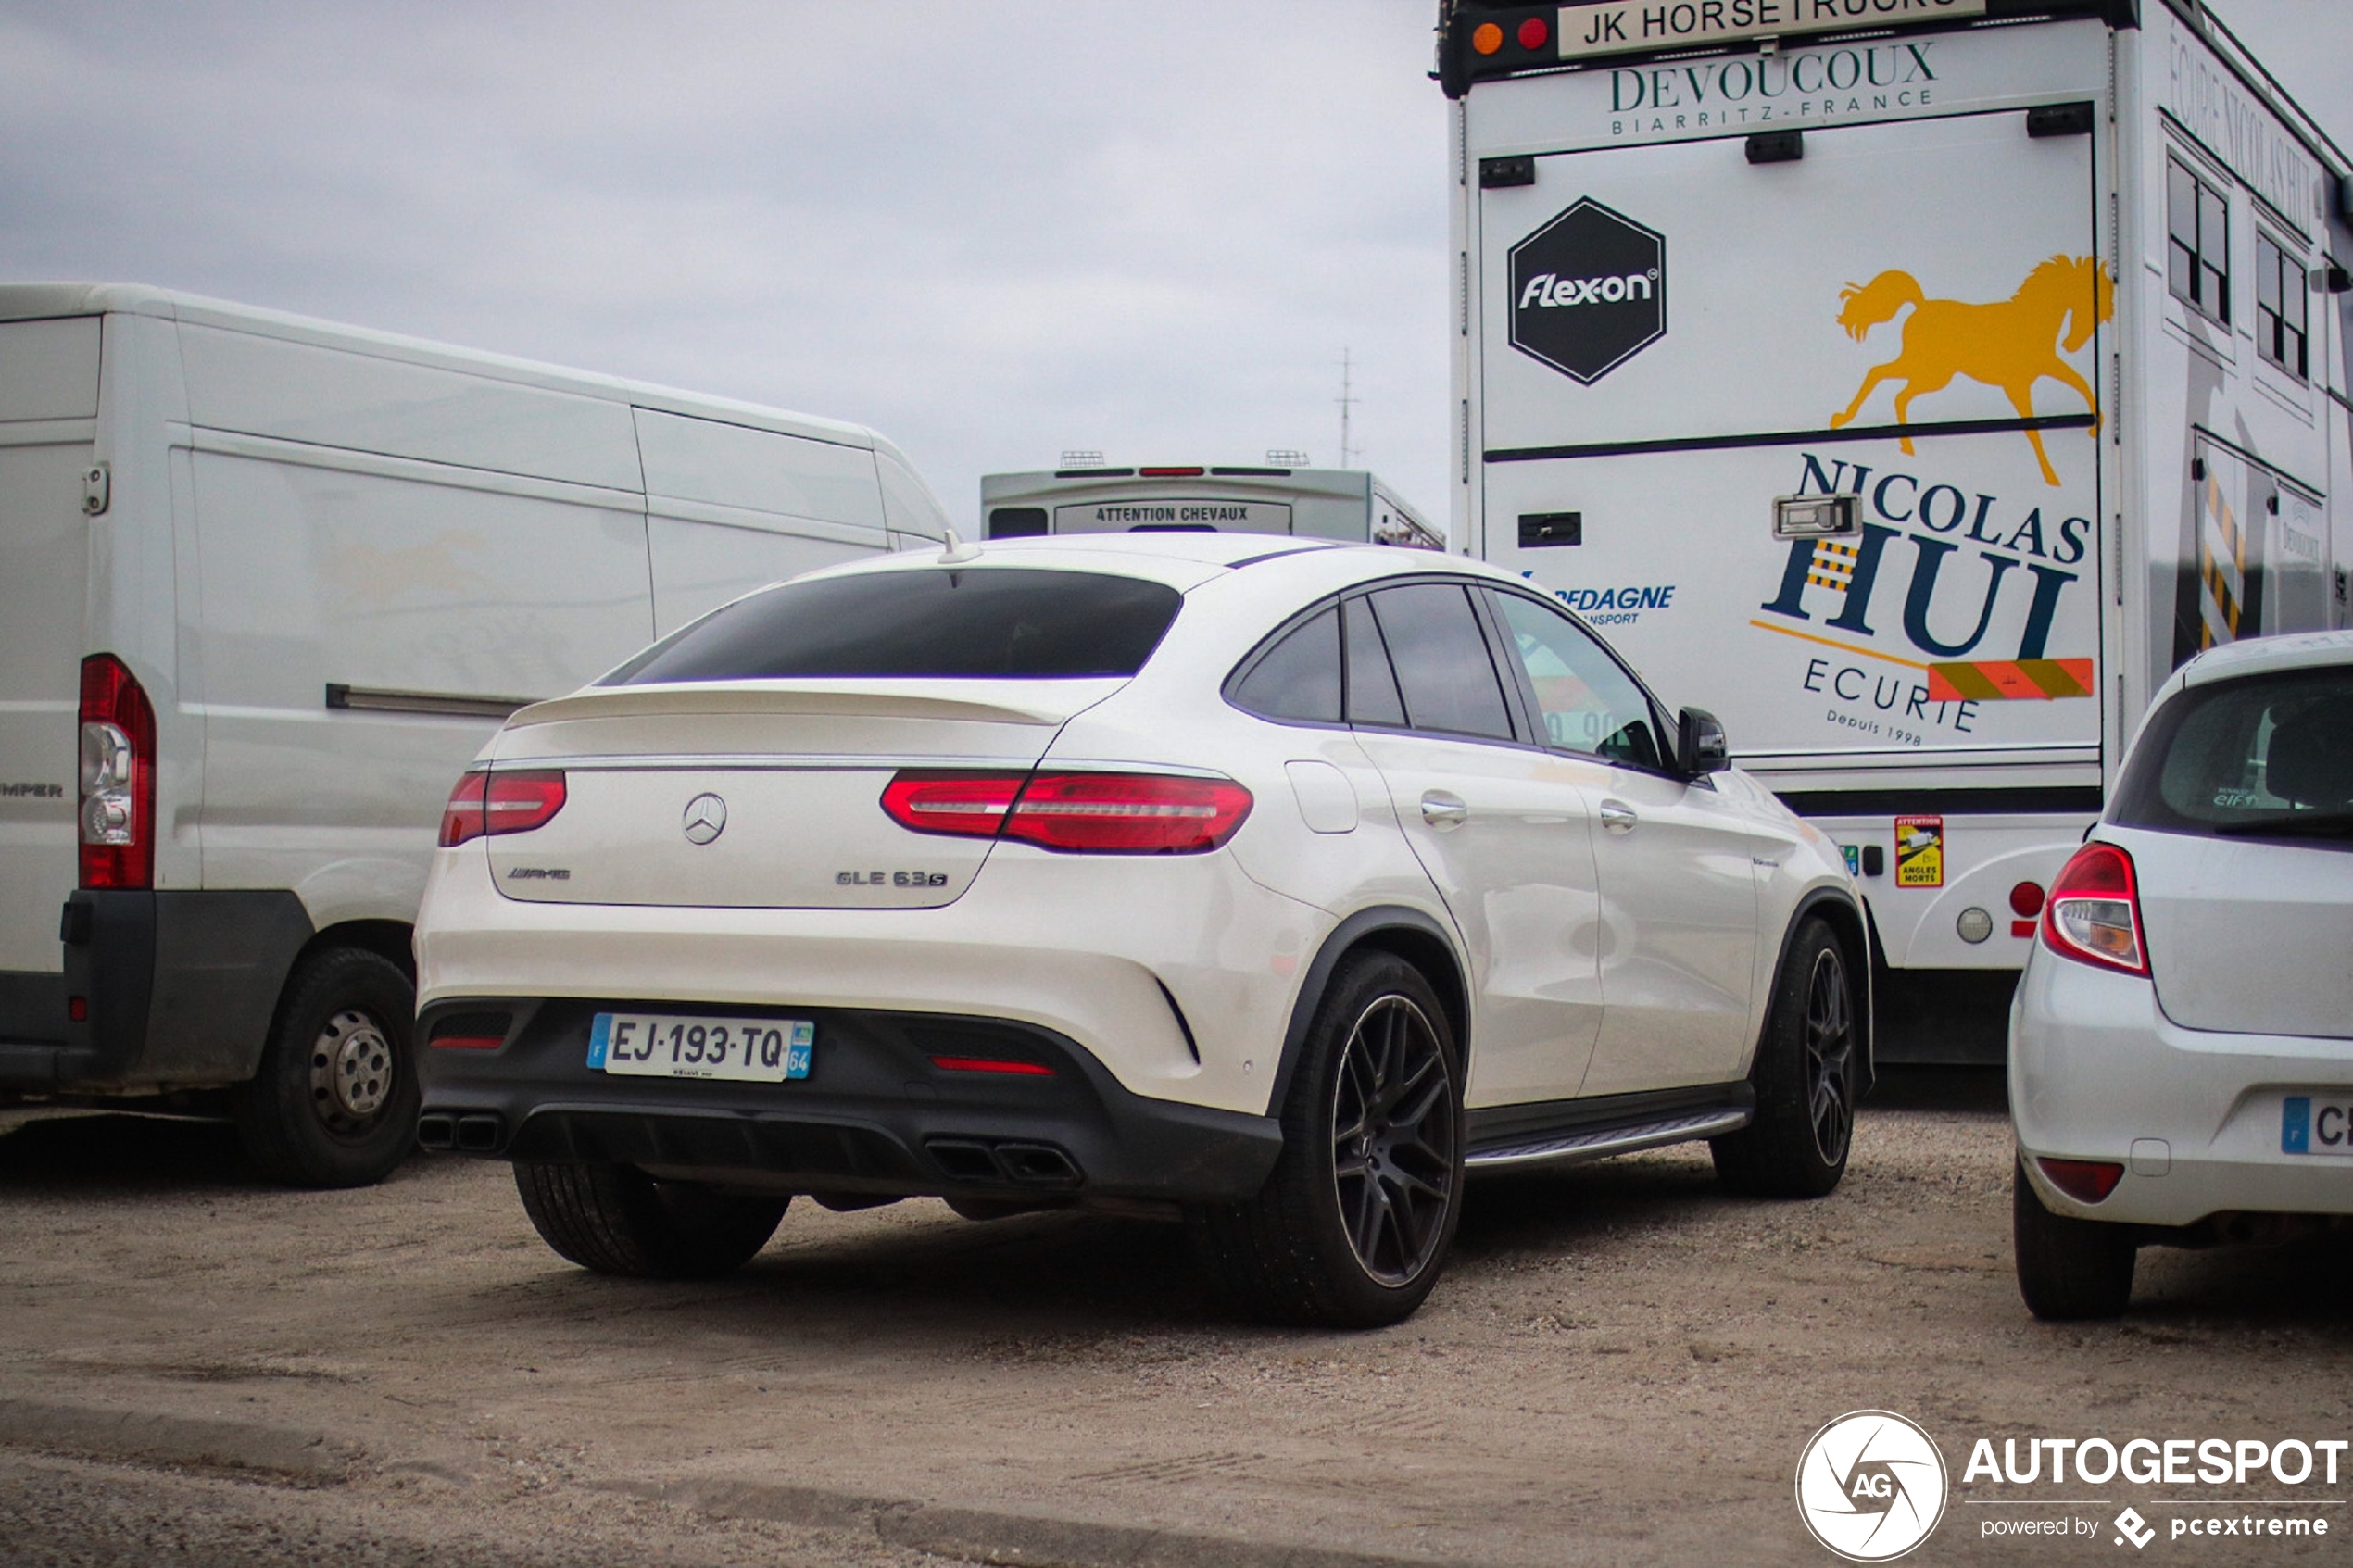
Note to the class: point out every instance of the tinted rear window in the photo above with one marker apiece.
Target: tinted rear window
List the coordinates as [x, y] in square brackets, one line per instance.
[991, 623]
[2268, 757]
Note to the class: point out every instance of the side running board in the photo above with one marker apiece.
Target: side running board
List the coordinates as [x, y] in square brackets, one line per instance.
[1597, 1130]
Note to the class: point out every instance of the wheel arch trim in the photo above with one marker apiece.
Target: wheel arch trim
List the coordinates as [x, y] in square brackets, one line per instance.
[1421, 933]
[1852, 926]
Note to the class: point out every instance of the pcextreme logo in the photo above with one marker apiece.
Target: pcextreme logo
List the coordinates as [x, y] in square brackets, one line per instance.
[1871, 1486]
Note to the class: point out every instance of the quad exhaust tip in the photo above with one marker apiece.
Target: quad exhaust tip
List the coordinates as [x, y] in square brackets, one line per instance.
[464, 1135]
[1023, 1164]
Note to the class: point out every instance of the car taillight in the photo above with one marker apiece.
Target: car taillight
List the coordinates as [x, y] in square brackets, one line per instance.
[117, 777]
[495, 802]
[967, 804]
[1082, 813]
[2086, 1181]
[2094, 912]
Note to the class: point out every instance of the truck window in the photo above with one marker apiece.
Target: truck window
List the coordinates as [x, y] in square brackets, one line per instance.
[1441, 656]
[2198, 246]
[1588, 703]
[974, 624]
[2279, 288]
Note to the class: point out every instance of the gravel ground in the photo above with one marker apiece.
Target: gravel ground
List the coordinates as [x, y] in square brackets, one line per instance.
[1621, 1366]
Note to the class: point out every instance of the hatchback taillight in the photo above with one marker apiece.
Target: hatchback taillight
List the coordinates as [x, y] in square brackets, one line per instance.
[494, 803]
[1080, 813]
[2094, 912]
[117, 777]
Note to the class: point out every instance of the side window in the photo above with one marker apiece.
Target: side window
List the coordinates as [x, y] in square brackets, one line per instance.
[1589, 704]
[2198, 248]
[1440, 653]
[1298, 679]
[2280, 289]
[1372, 687]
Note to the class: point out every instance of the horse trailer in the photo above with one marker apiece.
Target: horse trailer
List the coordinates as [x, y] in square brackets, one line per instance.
[1275, 498]
[1915, 384]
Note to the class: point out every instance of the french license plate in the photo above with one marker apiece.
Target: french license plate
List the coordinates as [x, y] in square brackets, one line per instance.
[2317, 1124]
[747, 1050]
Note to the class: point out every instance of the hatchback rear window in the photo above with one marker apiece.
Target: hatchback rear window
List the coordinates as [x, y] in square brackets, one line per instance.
[986, 623]
[2266, 756]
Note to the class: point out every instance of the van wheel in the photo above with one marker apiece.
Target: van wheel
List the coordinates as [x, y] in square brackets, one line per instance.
[2068, 1268]
[1353, 1227]
[617, 1220]
[335, 1103]
[1803, 1077]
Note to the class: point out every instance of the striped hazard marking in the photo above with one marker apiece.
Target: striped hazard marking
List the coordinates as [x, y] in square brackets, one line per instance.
[1993, 680]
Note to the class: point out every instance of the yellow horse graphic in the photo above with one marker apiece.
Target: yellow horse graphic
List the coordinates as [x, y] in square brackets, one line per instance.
[2007, 345]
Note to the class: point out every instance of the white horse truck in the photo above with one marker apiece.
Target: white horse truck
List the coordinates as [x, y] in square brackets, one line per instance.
[1913, 383]
[266, 586]
[1274, 497]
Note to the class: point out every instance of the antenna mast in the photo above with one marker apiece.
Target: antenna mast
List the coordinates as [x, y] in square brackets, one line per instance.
[1347, 401]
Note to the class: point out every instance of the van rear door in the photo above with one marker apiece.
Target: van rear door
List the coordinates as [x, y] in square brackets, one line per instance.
[48, 429]
[1674, 334]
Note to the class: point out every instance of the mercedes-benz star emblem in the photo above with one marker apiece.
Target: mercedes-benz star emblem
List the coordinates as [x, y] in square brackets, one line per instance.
[706, 818]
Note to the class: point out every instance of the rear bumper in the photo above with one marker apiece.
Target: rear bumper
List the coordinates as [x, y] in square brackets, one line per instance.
[2097, 1071]
[176, 990]
[874, 1115]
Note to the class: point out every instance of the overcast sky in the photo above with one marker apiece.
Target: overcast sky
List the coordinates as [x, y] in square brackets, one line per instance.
[991, 230]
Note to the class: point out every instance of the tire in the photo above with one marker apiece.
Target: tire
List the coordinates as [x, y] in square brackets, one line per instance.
[1353, 1227]
[617, 1220]
[2068, 1269]
[335, 1103]
[1803, 1075]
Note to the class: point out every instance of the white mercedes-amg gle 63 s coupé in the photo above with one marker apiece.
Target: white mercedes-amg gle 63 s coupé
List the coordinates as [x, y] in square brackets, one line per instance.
[1269, 885]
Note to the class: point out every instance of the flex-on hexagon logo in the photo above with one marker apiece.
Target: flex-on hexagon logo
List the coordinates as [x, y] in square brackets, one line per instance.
[1589, 291]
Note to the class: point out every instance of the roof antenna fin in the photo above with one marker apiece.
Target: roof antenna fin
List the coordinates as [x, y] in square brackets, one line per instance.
[957, 552]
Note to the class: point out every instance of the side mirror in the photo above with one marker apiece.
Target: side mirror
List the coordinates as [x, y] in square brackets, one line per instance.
[1700, 746]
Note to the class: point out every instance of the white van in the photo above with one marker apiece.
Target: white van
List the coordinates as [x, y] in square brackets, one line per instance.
[285, 577]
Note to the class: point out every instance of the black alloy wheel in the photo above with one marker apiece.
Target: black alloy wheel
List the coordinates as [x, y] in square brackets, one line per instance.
[1807, 1061]
[1354, 1224]
[1394, 1141]
[1830, 1056]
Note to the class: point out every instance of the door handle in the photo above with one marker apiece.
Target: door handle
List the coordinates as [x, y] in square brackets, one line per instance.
[1618, 817]
[1443, 811]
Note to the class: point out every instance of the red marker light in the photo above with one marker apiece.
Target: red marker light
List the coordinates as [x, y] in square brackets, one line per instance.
[1533, 32]
[2086, 1181]
[991, 1064]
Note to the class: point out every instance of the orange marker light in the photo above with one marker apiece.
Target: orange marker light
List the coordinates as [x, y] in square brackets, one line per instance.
[1486, 38]
[1532, 34]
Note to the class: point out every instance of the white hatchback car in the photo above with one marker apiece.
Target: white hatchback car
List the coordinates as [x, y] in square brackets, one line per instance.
[1268, 883]
[2182, 1041]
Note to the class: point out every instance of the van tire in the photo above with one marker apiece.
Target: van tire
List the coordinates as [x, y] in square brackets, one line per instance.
[334, 1102]
[617, 1220]
[1804, 1129]
[2068, 1269]
[1291, 1255]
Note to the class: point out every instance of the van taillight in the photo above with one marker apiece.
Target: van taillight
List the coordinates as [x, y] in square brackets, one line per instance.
[117, 777]
[2094, 912]
[1082, 813]
[493, 803]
